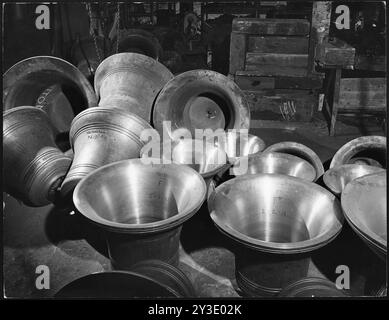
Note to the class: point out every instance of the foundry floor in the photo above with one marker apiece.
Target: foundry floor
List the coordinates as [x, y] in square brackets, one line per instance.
[72, 248]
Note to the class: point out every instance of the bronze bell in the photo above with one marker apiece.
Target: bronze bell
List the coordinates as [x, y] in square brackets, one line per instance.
[201, 99]
[137, 41]
[100, 136]
[130, 81]
[33, 166]
[50, 83]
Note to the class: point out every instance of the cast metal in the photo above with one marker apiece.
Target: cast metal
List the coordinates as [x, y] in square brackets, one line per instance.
[99, 136]
[201, 99]
[338, 177]
[130, 81]
[367, 147]
[275, 162]
[276, 213]
[364, 206]
[141, 207]
[33, 165]
[50, 83]
[299, 150]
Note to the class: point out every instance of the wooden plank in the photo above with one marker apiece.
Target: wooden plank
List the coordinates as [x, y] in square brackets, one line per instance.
[297, 27]
[362, 84]
[376, 63]
[249, 82]
[335, 100]
[277, 44]
[335, 53]
[279, 59]
[275, 71]
[237, 52]
[281, 104]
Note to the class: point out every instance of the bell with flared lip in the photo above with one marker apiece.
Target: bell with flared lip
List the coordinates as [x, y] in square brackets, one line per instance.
[50, 83]
[364, 206]
[206, 158]
[367, 149]
[299, 150]
[275, 162]
[130, 81]
[100, 136]
[141, 207]
[337, 178]
[33, 165]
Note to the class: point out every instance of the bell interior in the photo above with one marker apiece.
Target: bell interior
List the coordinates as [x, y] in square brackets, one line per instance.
[240, 145]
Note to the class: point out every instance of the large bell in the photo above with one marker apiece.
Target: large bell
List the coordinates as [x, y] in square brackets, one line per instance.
[150, 278]
[50, 83]
[201, 99]
[370, 150]
[141, 207]
[299, 150]
[275, 162]
[364, 205]
[33, 166]
[100, 136]
[137, 41]
[338, 177]
[130, 81]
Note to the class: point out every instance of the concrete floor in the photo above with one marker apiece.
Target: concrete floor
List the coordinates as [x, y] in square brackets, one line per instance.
[72, 248]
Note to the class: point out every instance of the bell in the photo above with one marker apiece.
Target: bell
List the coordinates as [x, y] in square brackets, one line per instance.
[130, 81]
[33, 166]
[299, 150]
[50, 83]
[141, 207]
[100, 136]
[278, 221]
[151, 278]
[338, 177]
[364, 206]
[201, 99]
[275, 162]
[137, 41]
[369, 148]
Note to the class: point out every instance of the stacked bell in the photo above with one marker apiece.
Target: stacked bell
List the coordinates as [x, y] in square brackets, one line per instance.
[34, 166]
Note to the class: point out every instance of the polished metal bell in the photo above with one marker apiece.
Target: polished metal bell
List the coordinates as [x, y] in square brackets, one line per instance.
[33, 165]
[364, 203]
[338, 177]
[49, 83]
[130, 81]
[137, 41]
[141, 207]
[100, 136]
[200, 99]
[371, 149]
[299, 150]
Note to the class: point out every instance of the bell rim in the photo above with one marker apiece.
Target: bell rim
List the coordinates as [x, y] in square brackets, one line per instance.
[151, 227]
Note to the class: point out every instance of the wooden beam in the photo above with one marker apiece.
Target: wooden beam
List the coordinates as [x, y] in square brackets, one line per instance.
[335, 53]
[278, 44]
[237, 52]
[282, 27]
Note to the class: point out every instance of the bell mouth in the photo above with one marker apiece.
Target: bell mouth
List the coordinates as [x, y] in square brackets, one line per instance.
[207, 159]
[364, 206]
[132, 197]
[274, 162]
[337, 178]
[276, 213]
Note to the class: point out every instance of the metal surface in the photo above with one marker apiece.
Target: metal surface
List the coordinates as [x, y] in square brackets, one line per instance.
[50, 83]
[312, 287]
[237, 145]
[276, 213]
[141, 207]
[99, 136]
[138, 41]
[130, 81]
[338, 177]
[275, 162]
[364, 206]
[205, 158]
[367, 147]
[33, 165]
[201, 99]
[299, 150]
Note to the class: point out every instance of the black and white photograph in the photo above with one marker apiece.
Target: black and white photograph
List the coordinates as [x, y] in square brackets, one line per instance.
[211, 153]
